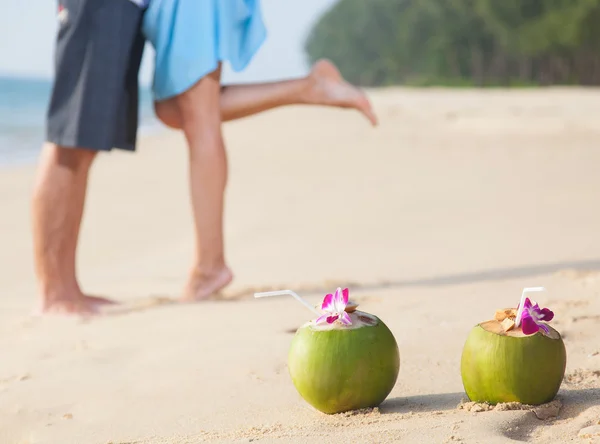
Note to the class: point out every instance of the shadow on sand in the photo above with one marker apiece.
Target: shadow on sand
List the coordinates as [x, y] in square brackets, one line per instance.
[159, 301]
[575, 404]
[494, 274]
[138, 305]
[422, 403]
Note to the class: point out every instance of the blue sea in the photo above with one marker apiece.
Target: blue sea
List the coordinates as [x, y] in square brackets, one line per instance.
[23, 104]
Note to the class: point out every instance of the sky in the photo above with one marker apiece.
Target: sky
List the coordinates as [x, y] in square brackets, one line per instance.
[27, 33]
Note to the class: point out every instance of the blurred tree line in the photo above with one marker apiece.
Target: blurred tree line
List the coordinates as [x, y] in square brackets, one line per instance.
[461, 42]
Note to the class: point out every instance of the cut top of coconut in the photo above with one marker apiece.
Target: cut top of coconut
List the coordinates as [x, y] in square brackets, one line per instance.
[528, 318]
[359, 319]
[497, 327]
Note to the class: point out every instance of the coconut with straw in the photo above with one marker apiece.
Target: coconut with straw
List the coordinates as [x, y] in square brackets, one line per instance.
[515, 357]
[344, 359]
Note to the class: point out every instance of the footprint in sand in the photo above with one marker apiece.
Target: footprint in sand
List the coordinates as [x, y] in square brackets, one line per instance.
[544, 411]
[582, 277]
[593, 318]
[590, 431]
[255, 377]
[6, 382]
[583, 378]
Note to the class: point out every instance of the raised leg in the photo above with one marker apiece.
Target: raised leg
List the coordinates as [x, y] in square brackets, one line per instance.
[323, 86]
[201, 123]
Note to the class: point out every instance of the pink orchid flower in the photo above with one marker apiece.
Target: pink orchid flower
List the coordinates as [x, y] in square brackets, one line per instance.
[532, 317]
[334, 306]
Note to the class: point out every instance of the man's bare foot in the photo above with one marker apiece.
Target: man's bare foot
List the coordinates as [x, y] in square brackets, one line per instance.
[202, 285]
[77, 304]
[328, 87]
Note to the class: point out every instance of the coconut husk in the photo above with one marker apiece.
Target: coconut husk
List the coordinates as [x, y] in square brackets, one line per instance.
[351, 307]
[504, 313]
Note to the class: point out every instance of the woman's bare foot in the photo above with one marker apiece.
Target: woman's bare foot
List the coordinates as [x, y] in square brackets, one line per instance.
[202, 285]
[76, 304]
[328, 87]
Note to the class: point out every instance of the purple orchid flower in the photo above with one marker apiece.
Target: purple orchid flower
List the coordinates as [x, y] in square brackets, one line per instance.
[532, 316]
[334, 306]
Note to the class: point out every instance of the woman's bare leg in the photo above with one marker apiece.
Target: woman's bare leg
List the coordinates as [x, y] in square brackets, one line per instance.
[323, 86]
[201, 123]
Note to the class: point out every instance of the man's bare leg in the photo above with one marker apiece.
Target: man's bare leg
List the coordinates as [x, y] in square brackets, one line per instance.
[323, 86]
[57, 210]
[201, 122]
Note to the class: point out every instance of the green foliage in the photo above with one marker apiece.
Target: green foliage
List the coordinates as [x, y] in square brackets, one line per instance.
[461, 42]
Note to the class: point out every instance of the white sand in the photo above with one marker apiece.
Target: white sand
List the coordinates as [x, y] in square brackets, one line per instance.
[434, 220]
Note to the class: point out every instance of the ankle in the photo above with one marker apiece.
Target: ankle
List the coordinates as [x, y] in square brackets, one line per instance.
[54, 291]
[304, 91]
[207, 270]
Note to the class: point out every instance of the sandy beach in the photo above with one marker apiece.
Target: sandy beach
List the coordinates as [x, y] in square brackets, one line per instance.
[433, 220]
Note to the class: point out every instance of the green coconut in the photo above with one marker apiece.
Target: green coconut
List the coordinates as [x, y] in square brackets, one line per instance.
[337, 368]
[509, 366]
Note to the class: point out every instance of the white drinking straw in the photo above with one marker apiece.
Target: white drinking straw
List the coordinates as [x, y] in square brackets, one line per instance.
[523, 296]
[287, 292]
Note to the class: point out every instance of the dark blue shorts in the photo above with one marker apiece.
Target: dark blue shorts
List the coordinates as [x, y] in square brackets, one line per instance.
[94, 100]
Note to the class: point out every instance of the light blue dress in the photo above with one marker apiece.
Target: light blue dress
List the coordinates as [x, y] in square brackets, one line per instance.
[191, 37]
